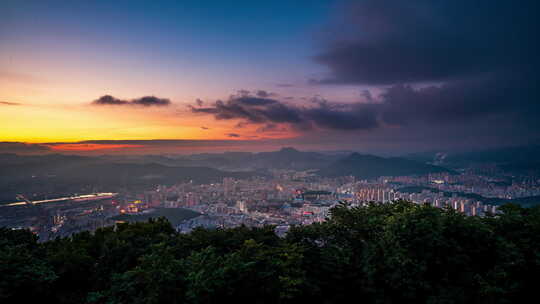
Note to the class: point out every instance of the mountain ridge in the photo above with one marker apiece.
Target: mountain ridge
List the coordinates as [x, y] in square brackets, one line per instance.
[366, 166]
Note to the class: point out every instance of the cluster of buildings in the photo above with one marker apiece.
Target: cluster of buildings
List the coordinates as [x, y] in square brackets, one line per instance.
[295, 201]
[287, 198]
[60, 217]
[439, 199]
[493, 185]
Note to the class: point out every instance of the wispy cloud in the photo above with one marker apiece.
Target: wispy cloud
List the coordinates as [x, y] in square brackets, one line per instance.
[6, 103]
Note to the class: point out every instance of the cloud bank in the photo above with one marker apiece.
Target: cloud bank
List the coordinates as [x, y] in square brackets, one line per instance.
[387, 42]
[442, 64]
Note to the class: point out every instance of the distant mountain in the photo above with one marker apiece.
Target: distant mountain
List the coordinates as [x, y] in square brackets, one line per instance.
[133, 173]
[7, 159]
[369, 166]
[434, 158]
[63, 174]
[521, 156]
[508, 155]
[91, 168]
[290, 158]
[516, 160]
[286, 158]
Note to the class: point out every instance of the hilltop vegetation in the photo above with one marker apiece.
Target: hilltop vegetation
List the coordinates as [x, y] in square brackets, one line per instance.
[391, 253]
[370, 166]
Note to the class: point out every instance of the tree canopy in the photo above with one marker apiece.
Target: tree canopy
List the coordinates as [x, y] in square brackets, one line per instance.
[381, 253]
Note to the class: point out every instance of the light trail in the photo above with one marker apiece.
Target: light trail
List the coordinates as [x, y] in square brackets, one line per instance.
[84, 197]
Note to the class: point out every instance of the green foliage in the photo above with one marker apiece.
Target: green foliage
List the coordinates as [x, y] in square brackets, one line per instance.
[381, 253]
[24, 273]
[159, 278]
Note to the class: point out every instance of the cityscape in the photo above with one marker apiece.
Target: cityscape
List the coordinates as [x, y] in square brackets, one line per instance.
[269, 152]
[279, 197]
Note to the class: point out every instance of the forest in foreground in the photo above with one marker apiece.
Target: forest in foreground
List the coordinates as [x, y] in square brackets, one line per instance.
[381, 253]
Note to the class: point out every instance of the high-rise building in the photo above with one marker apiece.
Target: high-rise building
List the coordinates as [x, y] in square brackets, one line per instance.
[228, 186]
[242, 205]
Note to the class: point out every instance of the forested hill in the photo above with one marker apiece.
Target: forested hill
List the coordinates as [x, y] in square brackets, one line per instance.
[370, 166]
[390, 253]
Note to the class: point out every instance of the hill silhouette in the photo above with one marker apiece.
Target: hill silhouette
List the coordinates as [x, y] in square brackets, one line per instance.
[370, 166]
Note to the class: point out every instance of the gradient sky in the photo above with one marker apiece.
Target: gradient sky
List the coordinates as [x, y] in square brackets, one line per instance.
[255, 75]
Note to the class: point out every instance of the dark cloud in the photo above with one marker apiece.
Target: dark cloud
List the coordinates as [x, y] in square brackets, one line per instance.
[253, 101]
[252, 109]
[151, 101]
[242, 93]
[410, 108]
[240, 125]
[463, 102]
[385, 42]
[22, 148]
[358, 116]
[255, 110]
[145, 101]
[205, 128]
[273, 128]
[270, 128]
[257, 93]
[264, 94]
[109, 100]
[6, 103]
[367, 95]
[457, 102]
[285, 85]
[481, 56]
[232, 135]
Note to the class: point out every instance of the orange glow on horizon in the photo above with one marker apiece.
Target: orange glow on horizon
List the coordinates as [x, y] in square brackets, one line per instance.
[89, 147]
[64, 128]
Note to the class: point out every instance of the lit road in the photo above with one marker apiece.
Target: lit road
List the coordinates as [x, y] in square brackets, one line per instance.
[85, 197]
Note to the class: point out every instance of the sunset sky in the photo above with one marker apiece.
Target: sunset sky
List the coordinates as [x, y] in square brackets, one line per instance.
[198, 76]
